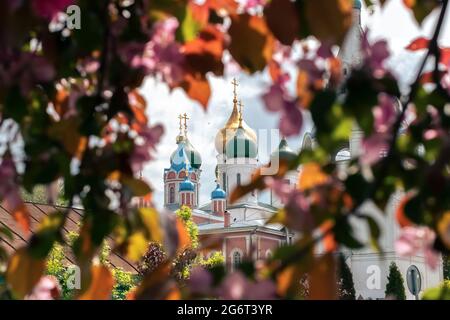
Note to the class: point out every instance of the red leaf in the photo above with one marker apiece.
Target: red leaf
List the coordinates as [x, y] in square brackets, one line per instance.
[287, 28]
[418, 44]
[204, 54]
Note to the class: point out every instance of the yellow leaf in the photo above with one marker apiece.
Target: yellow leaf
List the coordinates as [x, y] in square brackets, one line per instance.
[137, 245]
[102, 283]
[23, 272]
[137, 186]
[443, 229]
[150, 218]
[66, 132]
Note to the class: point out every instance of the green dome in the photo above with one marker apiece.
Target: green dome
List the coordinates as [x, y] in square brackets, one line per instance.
[193, 155]
[241, 146]
[284, 152]
[357, 4]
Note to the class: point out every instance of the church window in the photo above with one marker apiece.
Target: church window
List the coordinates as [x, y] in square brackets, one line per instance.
[238, 179]
[224, 181]
[237, 259]
[171, 195]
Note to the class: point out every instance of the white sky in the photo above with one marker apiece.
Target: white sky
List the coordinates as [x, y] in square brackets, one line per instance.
[392, 23]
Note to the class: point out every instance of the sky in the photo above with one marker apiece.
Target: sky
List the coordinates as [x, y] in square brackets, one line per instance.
[392, 22]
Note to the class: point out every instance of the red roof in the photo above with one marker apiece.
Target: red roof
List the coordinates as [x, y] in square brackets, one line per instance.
[37, 213]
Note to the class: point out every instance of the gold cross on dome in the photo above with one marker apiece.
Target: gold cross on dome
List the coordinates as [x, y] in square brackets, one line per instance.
[241, 106]
[181, 122]
[186, 118]
[235, 85]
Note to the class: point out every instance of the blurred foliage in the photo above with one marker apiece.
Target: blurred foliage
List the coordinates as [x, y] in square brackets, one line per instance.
[70, 101]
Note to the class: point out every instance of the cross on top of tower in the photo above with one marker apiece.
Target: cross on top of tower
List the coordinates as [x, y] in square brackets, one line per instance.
[180, 117]
[235, 85]
[186, 118]
[241, 106]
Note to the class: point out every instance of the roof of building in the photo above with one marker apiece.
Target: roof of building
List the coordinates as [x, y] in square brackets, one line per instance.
[218, 193]
[37, 213]
[258, 206]
[180, 160]
[187, 185]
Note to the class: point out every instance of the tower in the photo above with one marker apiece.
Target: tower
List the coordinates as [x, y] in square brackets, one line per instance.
[352, 57]
[186, 191]
[284, 152]
[218, 201]
[185, 163]
[236, 145]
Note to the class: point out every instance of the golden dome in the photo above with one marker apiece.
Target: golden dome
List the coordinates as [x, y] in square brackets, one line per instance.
[227, 132]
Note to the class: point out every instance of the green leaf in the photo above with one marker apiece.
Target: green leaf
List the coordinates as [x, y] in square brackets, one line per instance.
[189, 27]
[343, 234]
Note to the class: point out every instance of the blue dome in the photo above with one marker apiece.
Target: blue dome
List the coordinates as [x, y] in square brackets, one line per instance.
[180, 160]
[357, 4]
[218, 193]
[187, 185]
[193, 155]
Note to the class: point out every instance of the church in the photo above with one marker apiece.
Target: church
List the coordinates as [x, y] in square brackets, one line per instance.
[242, 225]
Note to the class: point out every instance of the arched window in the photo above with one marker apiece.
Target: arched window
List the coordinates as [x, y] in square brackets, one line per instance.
[237, 259]
[171, 195]
[238, 179]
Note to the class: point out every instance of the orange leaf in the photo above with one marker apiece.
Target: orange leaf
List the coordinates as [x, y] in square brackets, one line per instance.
[402, 219]
[204, 53]
[230, 6]
[184, 240]
[303, 89]
[283, 20]
[323, 284]
[102, 283]
[443, 228]
[252, 43]
[22, 217]
[23, 272]
[157, 285]
[137, 105]
[200, 12]
[418, 44]
[329, 243]
[197, 88]
[311, 175]
[274, 70]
